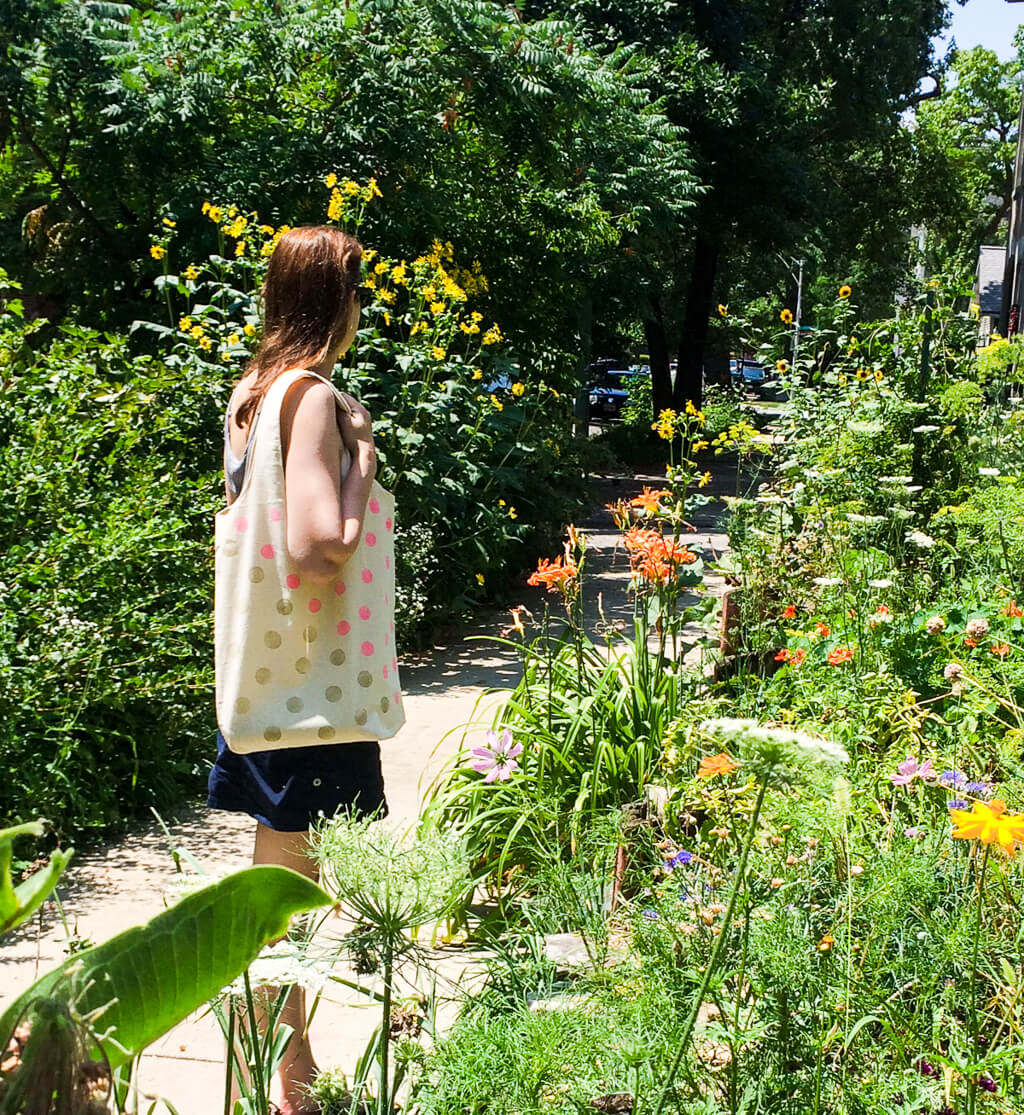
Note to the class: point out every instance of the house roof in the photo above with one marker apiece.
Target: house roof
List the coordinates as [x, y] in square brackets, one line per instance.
[988, 285]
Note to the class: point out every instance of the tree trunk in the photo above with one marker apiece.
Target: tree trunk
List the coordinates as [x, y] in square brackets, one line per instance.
[689, 385]
[657, 354]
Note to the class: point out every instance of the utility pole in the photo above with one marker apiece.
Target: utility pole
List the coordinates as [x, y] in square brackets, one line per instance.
[1013, 274]
[799, 277]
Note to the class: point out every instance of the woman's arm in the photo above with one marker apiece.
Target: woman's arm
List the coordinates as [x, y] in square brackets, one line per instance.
[324, 513]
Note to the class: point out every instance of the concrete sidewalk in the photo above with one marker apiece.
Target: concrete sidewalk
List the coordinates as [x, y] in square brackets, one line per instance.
[452, 693]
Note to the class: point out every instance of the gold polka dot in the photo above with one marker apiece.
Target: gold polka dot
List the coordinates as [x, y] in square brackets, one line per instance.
[256, 575]
[302, 665]
[272, 735]
[309, 634]
[272, 639]
[284, 607]
[242, 706]
[365, 679]
[361, 717]
[332, 693]
[338, 657]
[326, 732]
[293, 704]
[263, 675]
[230, 547]
[384, 703]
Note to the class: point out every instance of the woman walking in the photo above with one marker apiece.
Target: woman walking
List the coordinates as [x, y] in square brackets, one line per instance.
[307, 679]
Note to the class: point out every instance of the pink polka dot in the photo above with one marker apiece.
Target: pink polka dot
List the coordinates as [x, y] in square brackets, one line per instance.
[387, 562]
[292, 580]
[384, 672]
[241, 524]
[394, 663]
[387, 523]
[364, 612]
[386, 601]
[398, 697]
[374, 506]
[367, 649]
[315, 605]
[367, 576]
[371, 539]
[339, 588]
[267, 551]
[387, 639]
[392, 625]
[344, 627]
[275, 515]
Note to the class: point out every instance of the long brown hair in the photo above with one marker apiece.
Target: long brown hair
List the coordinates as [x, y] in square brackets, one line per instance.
[307, 302]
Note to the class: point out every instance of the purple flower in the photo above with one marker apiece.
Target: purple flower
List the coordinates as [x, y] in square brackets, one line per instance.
[497, 761]
[913, 833]
[958, 803]
[650, 914]
[678, 860]
[979, 789]
[955, 778]
[987, 1083]
[926, 1068]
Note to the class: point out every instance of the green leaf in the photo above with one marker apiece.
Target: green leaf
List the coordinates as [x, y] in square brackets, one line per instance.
[146, 980]
[19, 903]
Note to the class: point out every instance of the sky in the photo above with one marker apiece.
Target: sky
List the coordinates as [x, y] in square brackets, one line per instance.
[989, 23]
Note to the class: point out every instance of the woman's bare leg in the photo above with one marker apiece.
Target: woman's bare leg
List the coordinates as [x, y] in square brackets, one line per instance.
[290, 849]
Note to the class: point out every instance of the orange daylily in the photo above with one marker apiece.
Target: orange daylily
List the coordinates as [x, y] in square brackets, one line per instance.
[989, 823]
[655, 557]
[649, 500]
[1012, 609]
[555, 574]
[711, 765]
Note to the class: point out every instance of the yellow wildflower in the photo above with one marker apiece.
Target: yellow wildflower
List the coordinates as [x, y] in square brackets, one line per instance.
[369, 254]
[478, 373]
[350, 188]
[476, 316]
[472, 327]
[336, 206]
[786, 316]
[518, 389]
[249, 329]
[191, 273]
[184, 324]
[841, 379]
[205, 344]
[418, 327]
[845, 291]
[234, 339]
[372, 190]
[331, 180]
[387, 318]
[196, 332]
[879, 376]
[989, 823]
[698, 446]
[437, 308]
[512, 513]
[205, 208]
[268, 248]
[380, 268]
[492, 336]
[704, 480]
[240, 249]
[430, 292]
[168, 223]
[157, 251]
[267, 230]
[225, 355]
[398, 274]
[781, 366]
[214, 212]
[722, 310]
[438, 352]
[501, 503]
[863, 375]
[497, 403]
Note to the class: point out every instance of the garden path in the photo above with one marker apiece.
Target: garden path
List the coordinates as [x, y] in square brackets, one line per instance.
[448, 690]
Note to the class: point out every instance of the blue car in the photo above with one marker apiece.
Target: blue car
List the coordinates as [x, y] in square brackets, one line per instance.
[609, 392]
[748, 374]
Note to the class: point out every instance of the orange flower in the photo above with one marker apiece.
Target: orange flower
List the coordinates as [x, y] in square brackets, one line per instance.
[989, 823]
[655, 557]
[970, 642]
[789, 612]
[798, 657]
[649, 500]
[823, 630]
[1011, 609]
[826, 943]
[882, 610]
[840, 655]
[711, 765]
[555, 574]
[1001, 650]
[783, 655]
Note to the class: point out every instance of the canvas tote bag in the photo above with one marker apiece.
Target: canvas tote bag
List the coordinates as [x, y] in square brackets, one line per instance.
[296, 663]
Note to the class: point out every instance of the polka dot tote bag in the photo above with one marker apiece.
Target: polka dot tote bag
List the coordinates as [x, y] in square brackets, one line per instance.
[297, 663]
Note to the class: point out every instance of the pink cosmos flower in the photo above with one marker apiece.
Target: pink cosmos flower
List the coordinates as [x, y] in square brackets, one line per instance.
[497, 761]
[909, 769]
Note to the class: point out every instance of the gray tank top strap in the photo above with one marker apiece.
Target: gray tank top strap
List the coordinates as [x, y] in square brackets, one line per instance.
[234, 467]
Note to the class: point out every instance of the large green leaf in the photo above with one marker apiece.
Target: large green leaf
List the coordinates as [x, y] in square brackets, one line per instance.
[149, 978]
[21, 902]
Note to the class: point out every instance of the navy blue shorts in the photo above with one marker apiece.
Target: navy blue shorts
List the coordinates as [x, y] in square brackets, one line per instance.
[291, 789]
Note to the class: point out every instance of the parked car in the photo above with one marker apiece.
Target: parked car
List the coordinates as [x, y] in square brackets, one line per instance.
[747, 374]
[609, 392]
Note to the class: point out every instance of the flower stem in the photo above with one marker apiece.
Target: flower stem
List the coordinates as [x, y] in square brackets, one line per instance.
[972, 1083]
[716, 950]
